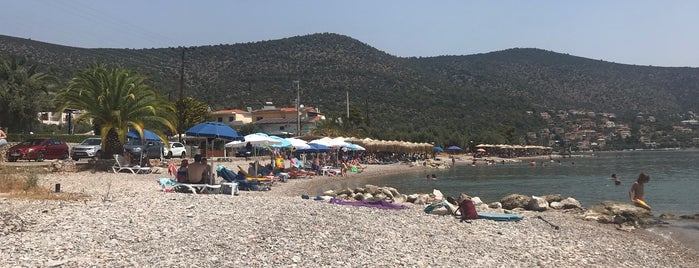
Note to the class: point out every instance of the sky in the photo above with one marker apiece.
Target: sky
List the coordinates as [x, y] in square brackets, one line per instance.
[658, 33]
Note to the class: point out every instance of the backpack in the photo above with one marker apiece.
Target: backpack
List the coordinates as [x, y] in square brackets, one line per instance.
[468, 210]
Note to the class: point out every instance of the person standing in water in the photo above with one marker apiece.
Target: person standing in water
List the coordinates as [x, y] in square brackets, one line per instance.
[636, 192]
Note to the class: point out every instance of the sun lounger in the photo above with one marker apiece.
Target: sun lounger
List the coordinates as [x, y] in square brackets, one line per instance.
[120, 165]
[195, 188]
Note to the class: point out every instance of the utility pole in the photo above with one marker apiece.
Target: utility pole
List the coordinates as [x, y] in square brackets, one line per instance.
[298, 108]
[180, 104]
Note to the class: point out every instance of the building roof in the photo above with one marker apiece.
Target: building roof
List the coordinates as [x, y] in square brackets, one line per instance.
[290, 121]
[235, 111]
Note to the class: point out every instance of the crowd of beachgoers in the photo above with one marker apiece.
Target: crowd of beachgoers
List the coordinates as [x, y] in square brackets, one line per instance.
[128, 220]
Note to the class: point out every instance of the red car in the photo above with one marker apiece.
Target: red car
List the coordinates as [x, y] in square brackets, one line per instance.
[38, 149]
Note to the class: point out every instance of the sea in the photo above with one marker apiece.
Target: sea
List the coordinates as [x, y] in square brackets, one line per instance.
[673, 186]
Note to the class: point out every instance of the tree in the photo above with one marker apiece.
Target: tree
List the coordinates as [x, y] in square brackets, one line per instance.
[115, 100]
[194, 113]
[23, 93]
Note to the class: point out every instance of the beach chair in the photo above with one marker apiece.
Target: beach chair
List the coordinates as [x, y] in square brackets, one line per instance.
[189, 187]
[120, 165]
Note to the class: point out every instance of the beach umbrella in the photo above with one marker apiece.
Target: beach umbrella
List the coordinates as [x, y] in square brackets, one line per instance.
[315, 148]
[438, 149]
[281, 142]
[480, 150]
[354, 147]
[453, 148]
[299, 144]
[147, 134]
[214, 130]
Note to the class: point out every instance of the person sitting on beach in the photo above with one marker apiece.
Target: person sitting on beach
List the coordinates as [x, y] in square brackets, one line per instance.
[636, 192]
[181, 173]
[207, 173]
[196, 171]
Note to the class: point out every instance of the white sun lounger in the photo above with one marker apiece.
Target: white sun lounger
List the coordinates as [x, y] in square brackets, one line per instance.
[119, 166]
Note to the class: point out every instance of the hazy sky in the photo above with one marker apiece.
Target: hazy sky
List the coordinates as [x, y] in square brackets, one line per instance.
[659, 33]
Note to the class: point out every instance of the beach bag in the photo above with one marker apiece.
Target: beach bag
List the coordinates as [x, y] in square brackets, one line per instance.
[468, 210]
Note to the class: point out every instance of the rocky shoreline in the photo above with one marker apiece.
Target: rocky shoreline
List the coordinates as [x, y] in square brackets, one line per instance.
[129, 221]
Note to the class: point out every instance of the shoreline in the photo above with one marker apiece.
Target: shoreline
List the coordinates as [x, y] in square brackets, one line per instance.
[129, 221]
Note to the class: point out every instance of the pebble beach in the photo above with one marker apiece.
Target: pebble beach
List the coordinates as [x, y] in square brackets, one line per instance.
[127, 220]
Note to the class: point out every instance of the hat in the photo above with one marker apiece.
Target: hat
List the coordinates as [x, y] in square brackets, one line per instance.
[184, 162]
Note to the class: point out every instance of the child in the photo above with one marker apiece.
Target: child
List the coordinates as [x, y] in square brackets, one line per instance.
[182, 171]
[636, 192]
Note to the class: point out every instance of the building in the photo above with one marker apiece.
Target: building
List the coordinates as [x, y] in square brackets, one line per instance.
[232, 117]
[284, 121]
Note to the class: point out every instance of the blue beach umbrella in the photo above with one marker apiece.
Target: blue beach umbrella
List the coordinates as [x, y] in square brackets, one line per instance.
[438, 149]
[453, 148]
[214, 130]
[147, 135]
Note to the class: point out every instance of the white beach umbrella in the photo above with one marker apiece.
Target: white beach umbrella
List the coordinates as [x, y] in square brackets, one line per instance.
[299, 144]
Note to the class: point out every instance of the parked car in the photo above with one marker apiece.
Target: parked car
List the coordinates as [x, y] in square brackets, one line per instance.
[38, 149]
[243, 153]
[151, 149]
[89, 148]
[176, 149]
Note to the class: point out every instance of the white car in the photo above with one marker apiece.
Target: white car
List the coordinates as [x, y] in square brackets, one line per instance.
[176, 149]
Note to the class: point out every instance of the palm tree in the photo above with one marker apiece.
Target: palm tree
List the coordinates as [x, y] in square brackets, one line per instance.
[116, 100]
[24, 91]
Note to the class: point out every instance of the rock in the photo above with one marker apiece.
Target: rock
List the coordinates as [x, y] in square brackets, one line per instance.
[346, 191]
[495, 205]
[368, 196]
[668, 216]
[476, 201]
[451, 200]
[387, 193]
[393, 191]
[359, 190]
[359, 197]
[690, 217]
[463, 196]
[614, 208]
[570, 203]
[411, 198]
[513, 201]
[371, 189]
[399, 198]
[419, 201]
[537, 204]
[556, 205]
[380, 196]
[329, 193]
[438, 195]
[553, 198]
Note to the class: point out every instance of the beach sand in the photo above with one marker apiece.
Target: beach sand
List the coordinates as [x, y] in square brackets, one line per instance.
[129, 221]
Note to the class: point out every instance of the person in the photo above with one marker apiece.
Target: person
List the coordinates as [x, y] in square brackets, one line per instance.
[248, 151]
[616, 180]
[428, 176]
[252, 171]
[128, 158]
[207, 174]
[3, 142]
[3, 138]
[636, 192]
[181, 173]
[434, 177]
[453, 161]
[196, 172]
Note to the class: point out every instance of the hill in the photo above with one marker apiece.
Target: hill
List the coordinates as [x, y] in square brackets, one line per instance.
[449, 99]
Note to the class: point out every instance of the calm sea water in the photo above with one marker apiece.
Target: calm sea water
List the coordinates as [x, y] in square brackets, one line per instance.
[674, 184]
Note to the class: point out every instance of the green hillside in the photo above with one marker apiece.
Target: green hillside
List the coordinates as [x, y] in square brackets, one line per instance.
[448, 99]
